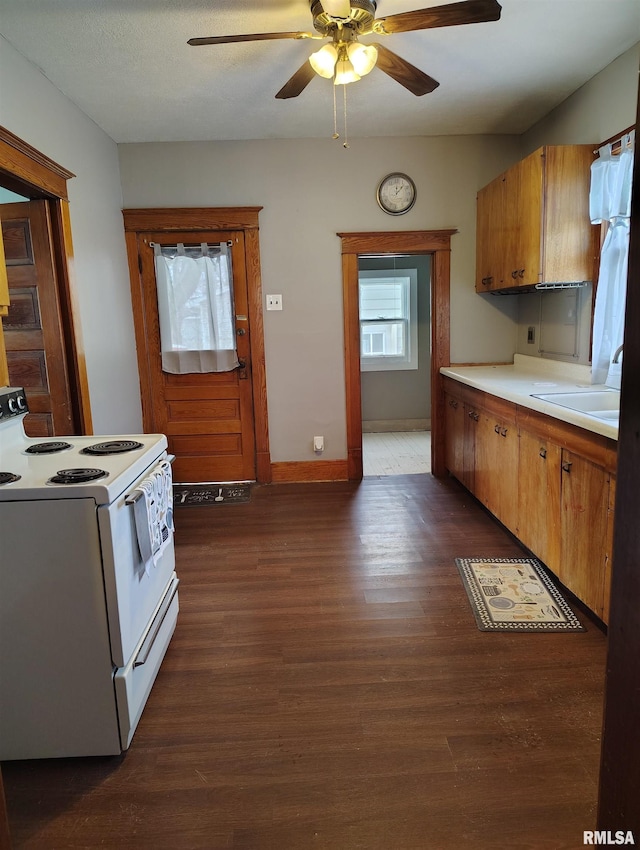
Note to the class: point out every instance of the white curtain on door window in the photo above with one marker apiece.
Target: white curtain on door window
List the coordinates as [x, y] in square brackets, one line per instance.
[195, 308]
[610, 201]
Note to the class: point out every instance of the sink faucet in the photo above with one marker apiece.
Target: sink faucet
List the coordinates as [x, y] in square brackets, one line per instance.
[616, 356]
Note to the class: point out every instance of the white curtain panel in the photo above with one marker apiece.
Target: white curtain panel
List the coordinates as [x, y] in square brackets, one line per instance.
[195, 307]
[610, 201]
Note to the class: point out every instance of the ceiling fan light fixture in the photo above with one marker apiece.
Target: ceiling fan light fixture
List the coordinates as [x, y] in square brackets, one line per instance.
[362, 57]
[323, 61]
[345, 73]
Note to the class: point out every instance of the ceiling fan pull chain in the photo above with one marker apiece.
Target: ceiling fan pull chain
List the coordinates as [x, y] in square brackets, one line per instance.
[345, 144]
[336, 135]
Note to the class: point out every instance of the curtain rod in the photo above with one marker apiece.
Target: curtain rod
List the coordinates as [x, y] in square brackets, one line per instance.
[228, 243]
[616, 141]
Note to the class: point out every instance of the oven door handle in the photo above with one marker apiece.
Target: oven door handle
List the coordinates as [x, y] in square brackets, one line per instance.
[145, 649]
[132, 498]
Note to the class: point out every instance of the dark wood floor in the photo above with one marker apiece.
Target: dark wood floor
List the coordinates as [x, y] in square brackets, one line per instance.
[327, 688]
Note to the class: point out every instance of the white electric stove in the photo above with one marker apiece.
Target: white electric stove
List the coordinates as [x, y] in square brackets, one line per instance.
[84, 622]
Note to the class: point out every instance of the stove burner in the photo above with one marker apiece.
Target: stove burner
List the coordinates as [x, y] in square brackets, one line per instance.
[77, 476]
[112, 447]
[47, 448]
[9, 477]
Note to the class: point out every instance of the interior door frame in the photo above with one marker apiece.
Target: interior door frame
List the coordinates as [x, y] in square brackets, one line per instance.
[194, 219]
[437, 243]
[26, 171]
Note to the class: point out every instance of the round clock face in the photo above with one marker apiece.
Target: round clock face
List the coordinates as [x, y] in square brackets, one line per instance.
[396, 193]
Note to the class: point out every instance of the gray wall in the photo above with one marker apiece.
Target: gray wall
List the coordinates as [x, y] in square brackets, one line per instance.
[310, 191]
[33, 109]
[403, 394]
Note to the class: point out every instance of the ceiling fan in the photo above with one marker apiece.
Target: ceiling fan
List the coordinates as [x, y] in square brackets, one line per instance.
[346, 60]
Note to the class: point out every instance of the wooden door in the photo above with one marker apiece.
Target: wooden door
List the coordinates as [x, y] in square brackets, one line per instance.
[585, 501]
[207, 417]
[33, 327]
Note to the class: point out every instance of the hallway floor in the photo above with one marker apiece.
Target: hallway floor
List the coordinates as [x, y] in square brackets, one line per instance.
[396, 453]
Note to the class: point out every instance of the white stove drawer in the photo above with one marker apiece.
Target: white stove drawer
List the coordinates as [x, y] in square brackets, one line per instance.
[133, 682]
[132, 593]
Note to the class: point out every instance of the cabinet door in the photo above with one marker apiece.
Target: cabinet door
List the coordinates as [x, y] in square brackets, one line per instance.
[526, 267]
[490, 236]
[454, 436]
[538, 525]
[497, 467]
[470, 460]
[584, 506]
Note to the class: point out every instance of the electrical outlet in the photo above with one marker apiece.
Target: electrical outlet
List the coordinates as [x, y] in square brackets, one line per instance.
[274, 302]
[318, 444]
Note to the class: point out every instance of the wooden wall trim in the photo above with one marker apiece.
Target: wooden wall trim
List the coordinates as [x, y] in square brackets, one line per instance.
[410, 241]
[438, 244]
[165, 219]
[19, 160]
[74, 344]
[313, 470]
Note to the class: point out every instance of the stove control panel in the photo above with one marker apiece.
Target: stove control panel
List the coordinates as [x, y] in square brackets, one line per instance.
[13, 402]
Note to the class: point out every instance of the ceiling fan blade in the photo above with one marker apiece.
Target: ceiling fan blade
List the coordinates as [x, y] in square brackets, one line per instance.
[260, 36]
[404, 72]
[337, 8]
[451, 15]
[298, 83]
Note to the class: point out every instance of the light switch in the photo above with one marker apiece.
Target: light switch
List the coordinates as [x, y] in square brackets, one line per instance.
[274, 302]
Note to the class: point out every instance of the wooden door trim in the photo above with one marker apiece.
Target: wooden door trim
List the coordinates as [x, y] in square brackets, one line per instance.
[167, 220]
[438, 244]
[22, 164]
[29, 172]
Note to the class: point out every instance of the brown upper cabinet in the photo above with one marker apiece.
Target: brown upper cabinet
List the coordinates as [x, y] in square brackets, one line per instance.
[4, 282]
[533, 222]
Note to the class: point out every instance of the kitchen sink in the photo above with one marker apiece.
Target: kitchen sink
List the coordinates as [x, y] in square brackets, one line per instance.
[601, 404]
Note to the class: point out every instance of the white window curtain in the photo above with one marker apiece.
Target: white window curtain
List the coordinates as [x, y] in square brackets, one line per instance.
[195, 308]
[610, 201]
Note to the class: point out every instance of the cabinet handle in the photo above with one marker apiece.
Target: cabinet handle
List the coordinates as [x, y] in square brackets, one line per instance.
[504, 431]
[487, 281]
[476, 416]
[514, 274]
[471, 414]
[521, 273]
[453, 404]
[497, 429]
[566, 466]
[543, 454]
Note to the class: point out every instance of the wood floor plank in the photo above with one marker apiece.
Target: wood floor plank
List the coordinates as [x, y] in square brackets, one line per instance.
[327, 688]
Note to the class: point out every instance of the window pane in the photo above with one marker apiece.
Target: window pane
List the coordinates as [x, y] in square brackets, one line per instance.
[383, 339]
[385, 298]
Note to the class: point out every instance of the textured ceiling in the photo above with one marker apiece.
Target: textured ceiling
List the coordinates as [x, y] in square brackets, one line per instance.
[127, 65]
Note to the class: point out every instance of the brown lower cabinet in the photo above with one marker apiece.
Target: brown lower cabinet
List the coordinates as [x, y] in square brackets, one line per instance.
[552, 484]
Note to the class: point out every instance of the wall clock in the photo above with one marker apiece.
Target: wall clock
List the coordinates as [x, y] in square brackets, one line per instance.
[396, 193]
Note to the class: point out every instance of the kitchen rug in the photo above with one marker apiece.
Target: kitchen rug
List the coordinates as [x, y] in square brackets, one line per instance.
[515, 595]
[187, 495]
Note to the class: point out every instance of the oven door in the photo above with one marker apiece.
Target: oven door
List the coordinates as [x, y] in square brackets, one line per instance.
[132, 593]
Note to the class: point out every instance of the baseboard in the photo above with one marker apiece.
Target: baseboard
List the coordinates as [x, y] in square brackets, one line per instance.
[308, 470]
[380, 426]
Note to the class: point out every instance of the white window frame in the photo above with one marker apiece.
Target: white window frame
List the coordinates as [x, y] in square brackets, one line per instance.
[389, 363]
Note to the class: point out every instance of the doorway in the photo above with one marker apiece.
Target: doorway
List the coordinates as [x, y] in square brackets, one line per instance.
[216, 422]
[395, 363]
[44, 350]
[436, 244]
